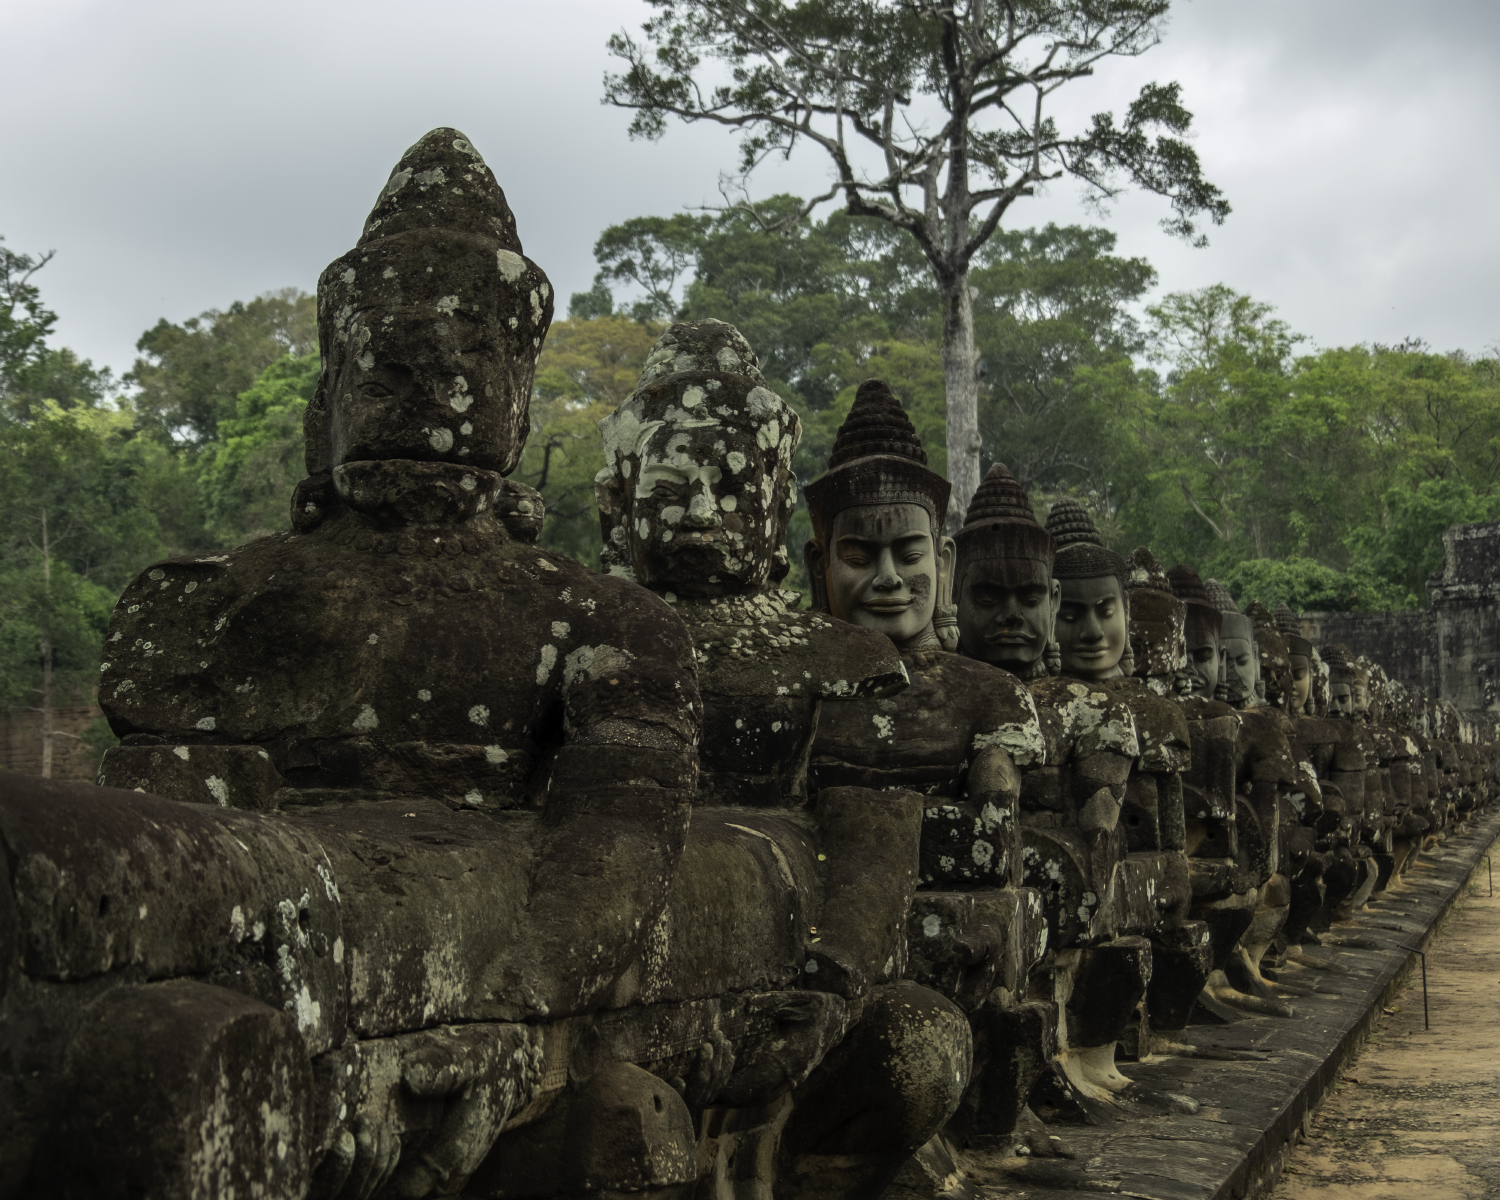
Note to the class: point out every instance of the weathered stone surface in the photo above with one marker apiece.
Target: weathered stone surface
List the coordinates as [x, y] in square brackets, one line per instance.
[181, 1090]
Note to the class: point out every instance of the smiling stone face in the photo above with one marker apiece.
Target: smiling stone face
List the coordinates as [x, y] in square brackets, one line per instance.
[697, 486]
[883, 569]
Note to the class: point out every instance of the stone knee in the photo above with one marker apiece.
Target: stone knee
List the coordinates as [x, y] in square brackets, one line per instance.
[888, 1087]
[181, 1090]
[624, 1130]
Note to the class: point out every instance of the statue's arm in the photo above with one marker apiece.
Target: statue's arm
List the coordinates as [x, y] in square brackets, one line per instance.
[614, 817]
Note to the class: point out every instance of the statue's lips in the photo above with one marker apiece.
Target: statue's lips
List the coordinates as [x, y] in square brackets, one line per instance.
[695, 540]
[887, 606]
[1010, 639]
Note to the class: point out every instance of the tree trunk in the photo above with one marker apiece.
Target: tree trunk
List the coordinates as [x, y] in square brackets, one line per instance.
[961, 380]
[44, 647]
[46, 705]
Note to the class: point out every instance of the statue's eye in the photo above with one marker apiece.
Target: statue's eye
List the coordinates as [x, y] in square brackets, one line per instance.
[666, 491]
[371, 390]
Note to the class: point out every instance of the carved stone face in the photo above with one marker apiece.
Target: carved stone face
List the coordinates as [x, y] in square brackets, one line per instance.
[1340, 699]
[1158, 638]
[1360, 696]
[881, 569]
[1239, 668]
[430, 343]
[1203, 663]
[1006, 611]
[701, 517]
[1301, 682]
[697, 485]
[1092, 627]
[407, 394]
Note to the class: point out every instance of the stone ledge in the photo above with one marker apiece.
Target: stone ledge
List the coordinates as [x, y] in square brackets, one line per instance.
[1252, 1113]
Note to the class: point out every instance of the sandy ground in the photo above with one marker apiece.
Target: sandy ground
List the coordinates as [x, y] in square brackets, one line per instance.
[1417, 1115]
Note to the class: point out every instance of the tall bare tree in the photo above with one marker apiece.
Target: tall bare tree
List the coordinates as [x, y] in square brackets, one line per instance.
[936, 117]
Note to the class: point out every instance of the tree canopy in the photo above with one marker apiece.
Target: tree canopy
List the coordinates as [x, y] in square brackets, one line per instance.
[1197, 423]
[935, 119]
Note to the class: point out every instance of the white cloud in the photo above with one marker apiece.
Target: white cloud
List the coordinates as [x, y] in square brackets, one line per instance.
[181, 155]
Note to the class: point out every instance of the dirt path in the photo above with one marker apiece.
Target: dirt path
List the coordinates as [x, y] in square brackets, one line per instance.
[1417, 1116]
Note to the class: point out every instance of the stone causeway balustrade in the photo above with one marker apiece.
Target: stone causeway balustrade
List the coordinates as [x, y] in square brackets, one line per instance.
[433, 863]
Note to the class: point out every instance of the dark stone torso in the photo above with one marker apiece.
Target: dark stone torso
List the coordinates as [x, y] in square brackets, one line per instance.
[926, 737]
[764, 671]
[450, 662]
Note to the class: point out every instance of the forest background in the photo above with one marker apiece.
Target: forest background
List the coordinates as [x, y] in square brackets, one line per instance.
[1194, 423]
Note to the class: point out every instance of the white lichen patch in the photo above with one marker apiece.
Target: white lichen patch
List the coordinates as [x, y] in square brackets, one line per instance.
[204, 723]
[479, 714]
[512, 266]
[366, 720]
[545, 665]
[592, 663]
[440, 439]
[218, 789]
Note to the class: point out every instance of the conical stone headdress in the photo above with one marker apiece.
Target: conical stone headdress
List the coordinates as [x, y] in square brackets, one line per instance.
[1235, 624]
[877, 459]
[1000, 524]
[1202, 615]
[1081, 552]
[1291, 629]
[436, 288]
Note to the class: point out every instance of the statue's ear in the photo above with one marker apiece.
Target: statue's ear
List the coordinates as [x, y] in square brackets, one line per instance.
[947, 562]
[1056, 606]
[817, 580]
[944, 613]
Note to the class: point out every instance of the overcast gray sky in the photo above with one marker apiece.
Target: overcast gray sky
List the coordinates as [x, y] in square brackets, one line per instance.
[179, 155]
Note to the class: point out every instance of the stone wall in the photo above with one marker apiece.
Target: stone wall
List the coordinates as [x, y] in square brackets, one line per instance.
[1451, 648]
[21, 741]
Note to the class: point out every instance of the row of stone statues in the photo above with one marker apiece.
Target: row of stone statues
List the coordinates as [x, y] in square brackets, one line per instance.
[431, 862]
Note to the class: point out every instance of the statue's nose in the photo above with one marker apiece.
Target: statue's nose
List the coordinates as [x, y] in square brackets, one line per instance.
[702, 511]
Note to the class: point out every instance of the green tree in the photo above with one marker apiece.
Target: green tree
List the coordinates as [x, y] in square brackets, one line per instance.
[1408, 546]
[1049, 304]
[861, 79]
[247, 474]
[189, 377]
[60, 376]
[586, 369]
[1305, 586]
[25, 324]
[652, 253]
[74, 526]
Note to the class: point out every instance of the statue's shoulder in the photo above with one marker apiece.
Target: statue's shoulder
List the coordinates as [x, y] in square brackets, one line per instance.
[1160, 725]
[759, 644]
[1084, 717]
[993, 702]
[192, 588]
[1200, 708]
